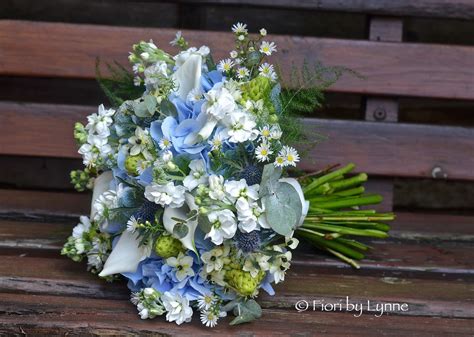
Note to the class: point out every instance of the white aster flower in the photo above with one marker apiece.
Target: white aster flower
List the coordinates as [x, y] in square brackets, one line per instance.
[164, 143]
[236, 189]
[263, 151]
[177, 307]
[266, 70]
[265, 131]
[209, 318]
[132, 224]
[241, 127]
[166, 195]
[280, 161]
[223, 227]
[205, 302]
[183, 266]
[267, 48]
[234, 54]
[263, 32]
[197, 176]
[239, 28]
[242, 73]
[290, 155]
[216, 187]
[225, 65]
[217, 141]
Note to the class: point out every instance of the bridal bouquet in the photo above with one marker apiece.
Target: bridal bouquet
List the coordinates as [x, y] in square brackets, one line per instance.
[192, 201]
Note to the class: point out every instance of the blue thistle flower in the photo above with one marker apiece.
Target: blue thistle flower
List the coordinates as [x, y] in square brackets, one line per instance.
[147, 211]
[248, 242]
[252, 174]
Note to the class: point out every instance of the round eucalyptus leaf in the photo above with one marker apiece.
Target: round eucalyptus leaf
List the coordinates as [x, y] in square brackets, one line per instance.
[180, 230]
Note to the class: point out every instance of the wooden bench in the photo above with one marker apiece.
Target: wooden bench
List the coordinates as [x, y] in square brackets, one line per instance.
[427, 262]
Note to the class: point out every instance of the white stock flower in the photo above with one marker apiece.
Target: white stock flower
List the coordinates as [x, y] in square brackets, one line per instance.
[176, 39]
[166, 195]
[177, 307]
[105, 202]
[82, 227]
[99, 122]
[219, 102]
[182, 264]
[275, 132]
[248, 214]
[216, 186]
[183, 56]
[223, 227]
[241, 127]
[239, 188]
[197, 176]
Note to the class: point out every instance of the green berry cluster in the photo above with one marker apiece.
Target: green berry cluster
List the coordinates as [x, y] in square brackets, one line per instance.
[167, 246]
[82, 179]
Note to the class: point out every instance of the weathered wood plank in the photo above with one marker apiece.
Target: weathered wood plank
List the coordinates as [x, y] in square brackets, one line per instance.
[458, 9]
[42, 202]
[52, 315]
[425, 297]
[46, 130]
[396, 69]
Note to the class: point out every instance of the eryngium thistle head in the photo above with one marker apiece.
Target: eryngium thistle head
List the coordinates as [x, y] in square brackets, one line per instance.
[252, 174]
[147, 211]
[248, 242]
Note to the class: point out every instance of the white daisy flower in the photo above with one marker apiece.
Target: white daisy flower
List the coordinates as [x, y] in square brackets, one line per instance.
[195, 95]
[209, 318]
[164, 143]
[225, 65]
[263, 151]
[290, 155]
[242, 73]
[132, 224]
[183, 266]
[280, 161]
[267, 48]
[205, 302]
[265, 131]
[239, 28]
[267, 70]
[216, 142]
[263, 32]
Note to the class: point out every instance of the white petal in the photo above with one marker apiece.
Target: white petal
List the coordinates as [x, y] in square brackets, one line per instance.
[293, 182]
[126, 255]
[101, 184]
[188, 76]
[181, 213]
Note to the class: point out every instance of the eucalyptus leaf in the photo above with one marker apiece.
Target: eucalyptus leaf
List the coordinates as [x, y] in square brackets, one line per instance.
[168, 108]
[283, 208]
[180, 230]
[204, 224]
[141, 110]
[270, 177]
[150, 103]
[246, 312]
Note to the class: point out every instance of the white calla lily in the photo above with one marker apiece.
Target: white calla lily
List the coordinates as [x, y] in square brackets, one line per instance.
[101, 185]
[182, 213]
[126, 255]
[304, 211]
[188, 76]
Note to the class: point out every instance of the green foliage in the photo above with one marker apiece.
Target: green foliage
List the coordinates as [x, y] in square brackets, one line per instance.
[119, 86]
[303, 94]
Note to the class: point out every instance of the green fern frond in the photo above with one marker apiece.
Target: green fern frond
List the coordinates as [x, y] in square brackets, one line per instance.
[119, 86]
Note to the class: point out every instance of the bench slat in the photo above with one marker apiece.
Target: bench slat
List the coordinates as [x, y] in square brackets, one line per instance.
[58, 315]
[408, 69]
[387, 149]
[457, 9]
